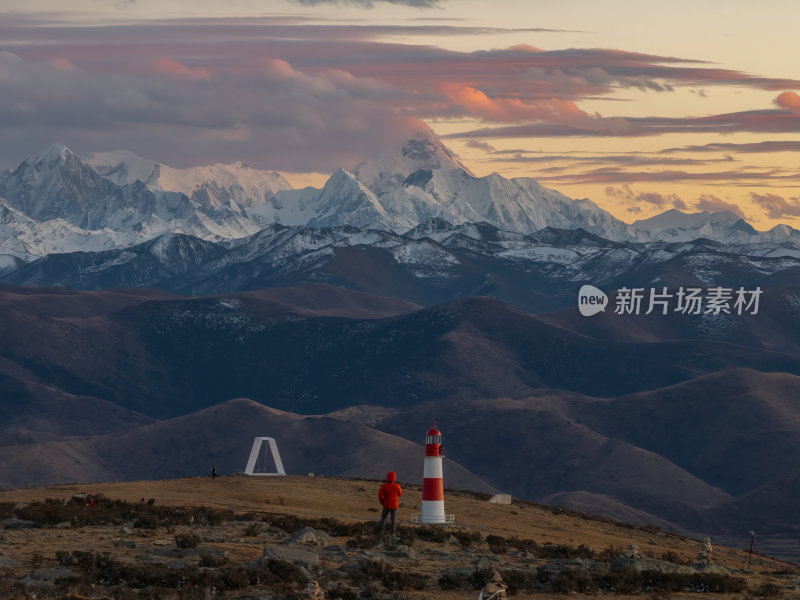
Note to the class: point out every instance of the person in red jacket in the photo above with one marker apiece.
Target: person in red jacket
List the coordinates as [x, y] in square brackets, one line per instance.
[389, 497]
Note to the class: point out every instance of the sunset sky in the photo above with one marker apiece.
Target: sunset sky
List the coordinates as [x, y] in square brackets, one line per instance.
[640, 106]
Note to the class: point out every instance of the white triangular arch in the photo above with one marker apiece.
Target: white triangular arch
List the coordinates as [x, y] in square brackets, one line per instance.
[251, 462]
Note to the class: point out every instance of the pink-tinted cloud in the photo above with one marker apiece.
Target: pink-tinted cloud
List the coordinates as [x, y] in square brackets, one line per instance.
[62, 64]
[777, 207]
[789, 101]
[285, 120]
[711, 203]
[756, 121]
[167, 66]
[476, 103]
[336, 90]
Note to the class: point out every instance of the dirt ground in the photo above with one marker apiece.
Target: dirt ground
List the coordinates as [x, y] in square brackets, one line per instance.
[346, 500]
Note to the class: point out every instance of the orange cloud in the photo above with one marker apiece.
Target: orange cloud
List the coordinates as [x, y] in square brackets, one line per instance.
[525, 48]
[789, 101]
[171, 68]
[513, 110]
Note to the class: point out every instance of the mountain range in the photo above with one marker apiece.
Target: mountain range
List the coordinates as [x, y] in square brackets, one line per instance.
[685, 431]
[431, 263]
[55, 203]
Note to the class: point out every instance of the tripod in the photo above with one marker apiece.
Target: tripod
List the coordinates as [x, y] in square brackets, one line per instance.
[750, 553]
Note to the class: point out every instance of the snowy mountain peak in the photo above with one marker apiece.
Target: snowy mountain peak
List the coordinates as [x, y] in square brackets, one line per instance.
[676, 219]
[54, 184]
[53, 151]
[234, 185]
[423, 151]
[123, 167]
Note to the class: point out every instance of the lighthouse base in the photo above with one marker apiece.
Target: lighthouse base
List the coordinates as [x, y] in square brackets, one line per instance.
[445, 518]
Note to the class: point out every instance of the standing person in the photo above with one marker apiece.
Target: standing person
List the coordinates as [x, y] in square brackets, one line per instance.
[389, 497]
[213, 471]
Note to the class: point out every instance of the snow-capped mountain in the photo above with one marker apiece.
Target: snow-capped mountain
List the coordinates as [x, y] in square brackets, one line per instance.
[389, 169]
[519, 204]
[434, 262]
[213, 186]
[724, 226]
[453, 195]
[343, 200]
[54, 202]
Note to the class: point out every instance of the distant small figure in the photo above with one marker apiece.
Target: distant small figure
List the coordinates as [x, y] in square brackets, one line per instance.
[213, 471]
[389, 497]
[494, 587]
[151, 501]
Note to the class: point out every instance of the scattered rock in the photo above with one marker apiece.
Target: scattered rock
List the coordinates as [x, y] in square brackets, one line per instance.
[459, 572]
[177, 564]
[313, 591]
[125, 543]
[637, 565]
[14, 523]
[715, 569]
[163, 542]
[335, 552]
[311, 536]
[184, 552]
[305, 573]
[36, 588]
[304, 558]
[149, 560]
[576, 566]
[53, 574]
[7, 562]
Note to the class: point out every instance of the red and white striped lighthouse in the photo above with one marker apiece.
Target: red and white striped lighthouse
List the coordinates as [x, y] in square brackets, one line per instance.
[432, 482]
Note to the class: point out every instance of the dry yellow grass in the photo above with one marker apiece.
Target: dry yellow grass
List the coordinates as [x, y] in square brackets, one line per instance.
[341, 499]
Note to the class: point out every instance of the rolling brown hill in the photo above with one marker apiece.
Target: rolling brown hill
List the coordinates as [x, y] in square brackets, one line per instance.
[117, 385]
[223, 435]
[775, 328]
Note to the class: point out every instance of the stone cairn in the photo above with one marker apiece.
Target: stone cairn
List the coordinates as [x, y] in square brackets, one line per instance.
[494, 588]
[313, 591]
[704, 556]
[633, 551]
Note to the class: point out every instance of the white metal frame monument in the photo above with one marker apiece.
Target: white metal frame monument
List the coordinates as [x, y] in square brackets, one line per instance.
[251, 462]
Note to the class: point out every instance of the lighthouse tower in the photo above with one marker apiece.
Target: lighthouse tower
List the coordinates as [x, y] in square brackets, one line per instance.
[432, 482]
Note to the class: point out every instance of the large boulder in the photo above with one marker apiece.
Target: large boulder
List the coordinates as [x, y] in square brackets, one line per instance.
[304, 558]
